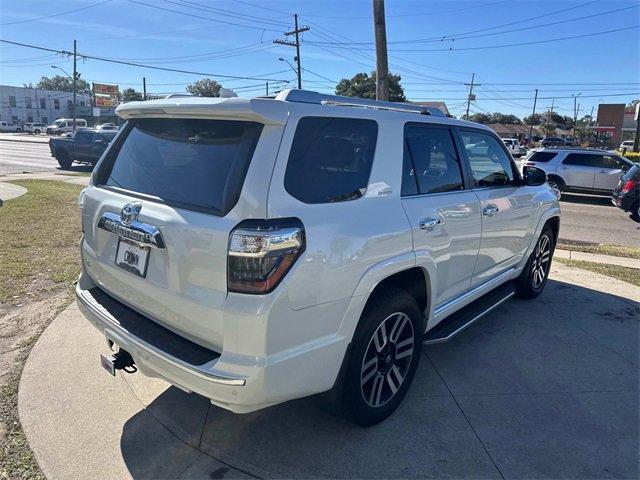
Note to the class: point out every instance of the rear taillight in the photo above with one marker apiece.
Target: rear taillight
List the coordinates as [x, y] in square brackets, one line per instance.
[629, 185]
[261, 252]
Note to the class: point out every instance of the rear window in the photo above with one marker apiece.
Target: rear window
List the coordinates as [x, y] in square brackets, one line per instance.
[330, 159]
[190, 163]
[542, 156]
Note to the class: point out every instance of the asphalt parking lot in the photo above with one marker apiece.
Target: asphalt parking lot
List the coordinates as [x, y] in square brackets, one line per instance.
[540, 389]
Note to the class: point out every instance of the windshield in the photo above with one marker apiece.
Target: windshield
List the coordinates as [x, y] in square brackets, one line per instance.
[190, 163]
[57, 123]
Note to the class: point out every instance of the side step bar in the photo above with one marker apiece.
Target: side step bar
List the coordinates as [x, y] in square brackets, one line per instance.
[457, 322]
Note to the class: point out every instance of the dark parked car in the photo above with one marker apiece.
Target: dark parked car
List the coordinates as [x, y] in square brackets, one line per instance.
[555, 142]
[627, 194]
[84, 146]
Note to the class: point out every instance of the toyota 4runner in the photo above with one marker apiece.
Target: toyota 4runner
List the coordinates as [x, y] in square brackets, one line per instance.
[260, 250]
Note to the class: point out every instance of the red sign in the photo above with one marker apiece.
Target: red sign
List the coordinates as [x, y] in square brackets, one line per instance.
[104, 89]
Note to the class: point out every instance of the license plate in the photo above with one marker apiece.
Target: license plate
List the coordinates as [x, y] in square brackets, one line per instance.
[108, 365]
[132, 257]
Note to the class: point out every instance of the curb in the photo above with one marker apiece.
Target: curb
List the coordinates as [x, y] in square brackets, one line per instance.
[23, 141]
[598, 258]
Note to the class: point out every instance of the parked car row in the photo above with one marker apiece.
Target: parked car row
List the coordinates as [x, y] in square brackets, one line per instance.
[59, 127]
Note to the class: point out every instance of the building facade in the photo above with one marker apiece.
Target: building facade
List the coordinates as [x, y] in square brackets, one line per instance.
[19, 105]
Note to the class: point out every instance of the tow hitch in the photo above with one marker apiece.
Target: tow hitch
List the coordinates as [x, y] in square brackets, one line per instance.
[121, 360]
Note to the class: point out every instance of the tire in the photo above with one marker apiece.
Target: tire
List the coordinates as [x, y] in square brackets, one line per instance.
[64, 160]
[18, 129]
[534, 277]
[36, 131]
[635, 211]
[556, 183]
[384, 357]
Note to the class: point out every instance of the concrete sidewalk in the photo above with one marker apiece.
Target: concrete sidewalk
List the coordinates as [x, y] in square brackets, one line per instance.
[23, 137]
[545, 388]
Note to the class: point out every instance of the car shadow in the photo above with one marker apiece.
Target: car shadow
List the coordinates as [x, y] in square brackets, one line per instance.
[77, 168]
[587, 199]
[563, 366]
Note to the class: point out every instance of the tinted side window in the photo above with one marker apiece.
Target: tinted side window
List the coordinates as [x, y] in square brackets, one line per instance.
[490, 164]
[409, 182]
[330, 159]
[542, 156]
[435, 161]
[83, 138]
[581, 159]
[611, 162]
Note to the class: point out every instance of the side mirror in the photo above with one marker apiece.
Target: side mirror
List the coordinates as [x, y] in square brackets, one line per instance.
[534, 176]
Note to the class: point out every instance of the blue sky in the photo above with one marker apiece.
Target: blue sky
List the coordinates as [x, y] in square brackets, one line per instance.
[434, 45]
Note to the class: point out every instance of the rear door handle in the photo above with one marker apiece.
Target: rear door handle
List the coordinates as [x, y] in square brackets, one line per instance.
[490, 211]
[427, 224]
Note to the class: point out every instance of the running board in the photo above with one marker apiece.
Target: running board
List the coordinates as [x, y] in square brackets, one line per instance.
[458, 321]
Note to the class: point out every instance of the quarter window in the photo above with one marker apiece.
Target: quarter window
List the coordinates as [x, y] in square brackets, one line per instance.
[490, 164]
[330, 159]
[431, 163]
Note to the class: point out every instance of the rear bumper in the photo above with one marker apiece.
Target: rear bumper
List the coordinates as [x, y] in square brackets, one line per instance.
[624, 201]
[233, 381]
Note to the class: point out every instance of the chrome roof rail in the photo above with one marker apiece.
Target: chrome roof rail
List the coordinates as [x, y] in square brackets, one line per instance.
[308, 96]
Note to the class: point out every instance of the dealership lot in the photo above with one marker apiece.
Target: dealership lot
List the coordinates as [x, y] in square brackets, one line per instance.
[552, 393]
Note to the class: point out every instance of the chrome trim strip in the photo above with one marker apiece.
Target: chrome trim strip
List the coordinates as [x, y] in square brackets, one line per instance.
[150, 350]
[470, 322]
[141, 233]
[445, 306]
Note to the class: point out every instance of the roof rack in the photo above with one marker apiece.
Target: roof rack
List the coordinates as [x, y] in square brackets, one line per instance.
[308, 96]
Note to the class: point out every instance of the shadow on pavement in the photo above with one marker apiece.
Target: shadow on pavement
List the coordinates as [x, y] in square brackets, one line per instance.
[545, 388]
[83, 168]
[604, 200]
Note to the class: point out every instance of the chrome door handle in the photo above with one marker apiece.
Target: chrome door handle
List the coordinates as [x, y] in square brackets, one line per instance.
[427, 224]
[490, 211]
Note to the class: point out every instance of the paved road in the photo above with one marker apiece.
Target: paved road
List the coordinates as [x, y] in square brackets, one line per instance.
[592, 218]
[19, 157]
[585, 217]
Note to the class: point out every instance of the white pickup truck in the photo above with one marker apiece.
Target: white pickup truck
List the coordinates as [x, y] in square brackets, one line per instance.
[514, 147]
[9, 127]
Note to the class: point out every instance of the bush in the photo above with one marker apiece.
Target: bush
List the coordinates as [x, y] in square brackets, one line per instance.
[633, 156]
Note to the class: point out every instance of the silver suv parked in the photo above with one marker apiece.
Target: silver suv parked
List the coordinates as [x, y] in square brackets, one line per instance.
[260, 250]
[579, 170]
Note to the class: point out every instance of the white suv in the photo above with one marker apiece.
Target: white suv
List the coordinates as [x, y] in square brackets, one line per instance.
[579, 170]
[260, 250]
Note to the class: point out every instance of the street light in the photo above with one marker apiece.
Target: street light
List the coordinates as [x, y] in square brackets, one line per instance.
[62, 70]
[288, 63]
[73, 104]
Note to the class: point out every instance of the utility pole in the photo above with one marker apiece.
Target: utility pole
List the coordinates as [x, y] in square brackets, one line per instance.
[471, 96]
[535, 100]
[382, 65]
[296, 32]
[636, 137]
[575, 112]
[267, 88]
[75, 77]
[550, 110]
[144, 88]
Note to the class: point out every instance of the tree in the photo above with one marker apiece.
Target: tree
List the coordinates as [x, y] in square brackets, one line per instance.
[130, 95]
[548, 129]
[505, 119]
[62, 83]
[205, 88]
[535, 119]
[362, 85]
[480, 118]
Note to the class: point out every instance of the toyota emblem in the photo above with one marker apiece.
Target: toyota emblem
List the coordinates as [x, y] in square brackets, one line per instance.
[129, 212]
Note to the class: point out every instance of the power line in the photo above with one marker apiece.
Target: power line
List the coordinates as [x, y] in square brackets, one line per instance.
[255, 27]
[152, 67]
[57, 14]
[489, 47]
[227, 13]
[637, 92]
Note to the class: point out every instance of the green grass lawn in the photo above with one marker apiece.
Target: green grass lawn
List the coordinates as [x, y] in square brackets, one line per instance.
[39, 259]
[626, 274]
